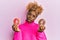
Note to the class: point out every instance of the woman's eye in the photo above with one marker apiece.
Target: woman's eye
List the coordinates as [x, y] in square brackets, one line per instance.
[29, 14]
[33, 15]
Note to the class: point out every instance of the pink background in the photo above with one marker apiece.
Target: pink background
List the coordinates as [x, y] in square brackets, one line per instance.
[10, 9]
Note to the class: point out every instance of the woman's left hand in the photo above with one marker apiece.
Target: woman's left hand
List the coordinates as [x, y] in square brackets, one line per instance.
[41, 29]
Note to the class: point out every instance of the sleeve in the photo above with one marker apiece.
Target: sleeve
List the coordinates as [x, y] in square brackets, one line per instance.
[17, 35]
[41, 36]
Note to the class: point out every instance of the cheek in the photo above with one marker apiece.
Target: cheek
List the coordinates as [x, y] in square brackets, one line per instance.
[33, 18]
[27, 16]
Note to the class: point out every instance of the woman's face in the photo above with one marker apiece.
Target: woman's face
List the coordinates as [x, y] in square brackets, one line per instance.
[31, 16]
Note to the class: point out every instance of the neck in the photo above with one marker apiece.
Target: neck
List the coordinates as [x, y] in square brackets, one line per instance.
[29, 22]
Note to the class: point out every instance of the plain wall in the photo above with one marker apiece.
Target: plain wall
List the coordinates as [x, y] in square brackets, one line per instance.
[9, 9]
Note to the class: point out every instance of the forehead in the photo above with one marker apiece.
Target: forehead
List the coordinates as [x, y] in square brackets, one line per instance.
[32, 12]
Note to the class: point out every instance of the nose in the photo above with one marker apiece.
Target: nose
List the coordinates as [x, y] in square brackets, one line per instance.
[31, 16]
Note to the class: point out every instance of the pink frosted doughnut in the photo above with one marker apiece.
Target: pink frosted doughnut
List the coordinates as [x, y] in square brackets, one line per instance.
[16, 21]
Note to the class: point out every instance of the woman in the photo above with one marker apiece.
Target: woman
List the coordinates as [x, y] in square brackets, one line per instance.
[29, 29]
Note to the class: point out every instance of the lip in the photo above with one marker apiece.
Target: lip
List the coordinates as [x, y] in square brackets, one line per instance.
[29, 19]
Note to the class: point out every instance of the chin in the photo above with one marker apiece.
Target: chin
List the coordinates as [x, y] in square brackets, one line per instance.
[30, 21]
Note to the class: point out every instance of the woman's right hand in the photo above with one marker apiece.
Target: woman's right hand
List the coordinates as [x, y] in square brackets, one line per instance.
[15, 25]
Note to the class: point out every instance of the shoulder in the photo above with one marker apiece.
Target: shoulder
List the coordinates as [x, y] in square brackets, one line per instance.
[36, 24]
[21, 24]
